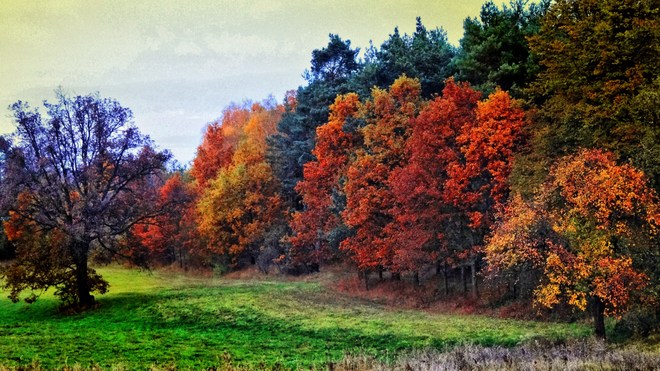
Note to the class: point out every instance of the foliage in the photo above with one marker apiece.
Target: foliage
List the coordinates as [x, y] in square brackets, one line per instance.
[69, 184]
[494, 49]
[590, 222]
[599, 61]
[241, 205]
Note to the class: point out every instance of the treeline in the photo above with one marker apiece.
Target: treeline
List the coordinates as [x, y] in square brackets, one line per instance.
[527, 157]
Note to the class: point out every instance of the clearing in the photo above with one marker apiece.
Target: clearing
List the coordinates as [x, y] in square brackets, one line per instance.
[171, 320]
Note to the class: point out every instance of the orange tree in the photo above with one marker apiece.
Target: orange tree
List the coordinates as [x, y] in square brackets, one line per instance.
[321, 189]
[241, 207]
[369, 196]
[585, 230]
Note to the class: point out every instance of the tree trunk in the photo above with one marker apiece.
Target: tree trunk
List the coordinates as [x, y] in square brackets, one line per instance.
[475, 289]
[366, 280]
[599, 318]
[416, 279]
[83, 289]
[395, 276]
[380, 274]
[515, 290]
[463, 279]
[445, 279]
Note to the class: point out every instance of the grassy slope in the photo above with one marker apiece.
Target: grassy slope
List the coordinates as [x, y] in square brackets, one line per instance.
[162, 319]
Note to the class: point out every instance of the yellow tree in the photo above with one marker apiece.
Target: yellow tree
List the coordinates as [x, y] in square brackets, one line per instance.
[241, 207]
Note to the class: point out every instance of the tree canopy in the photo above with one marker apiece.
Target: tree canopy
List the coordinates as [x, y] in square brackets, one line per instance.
[70, 182]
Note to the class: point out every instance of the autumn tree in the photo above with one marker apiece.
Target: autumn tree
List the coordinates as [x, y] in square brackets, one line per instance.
[479, 181]
[317, 230]
[369, 196]
[587, 229]
[459, 158]
[599, 61]
[241, 211]
[171, 237]
[422, 213]
[68, 183]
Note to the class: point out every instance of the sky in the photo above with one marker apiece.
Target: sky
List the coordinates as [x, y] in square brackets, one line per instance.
[177, 64]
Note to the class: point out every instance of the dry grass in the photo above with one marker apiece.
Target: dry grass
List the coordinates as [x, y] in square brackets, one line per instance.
[537, 355]
[575, 355]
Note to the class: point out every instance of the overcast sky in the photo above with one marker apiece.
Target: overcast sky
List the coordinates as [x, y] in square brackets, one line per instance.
[177, 64]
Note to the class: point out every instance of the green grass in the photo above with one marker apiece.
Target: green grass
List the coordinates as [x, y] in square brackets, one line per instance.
[163, 319]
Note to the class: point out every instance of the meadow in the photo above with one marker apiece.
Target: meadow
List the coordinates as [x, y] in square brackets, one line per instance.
[169, 320]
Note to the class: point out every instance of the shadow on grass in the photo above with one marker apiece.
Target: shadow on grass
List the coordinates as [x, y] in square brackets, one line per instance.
[201, 327]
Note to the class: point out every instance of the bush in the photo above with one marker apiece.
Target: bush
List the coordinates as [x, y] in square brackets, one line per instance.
[639, 323]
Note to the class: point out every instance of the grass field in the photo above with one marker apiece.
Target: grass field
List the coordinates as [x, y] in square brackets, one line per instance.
[164, 319]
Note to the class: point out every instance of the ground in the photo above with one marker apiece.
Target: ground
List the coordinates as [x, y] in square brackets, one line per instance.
[169, 319]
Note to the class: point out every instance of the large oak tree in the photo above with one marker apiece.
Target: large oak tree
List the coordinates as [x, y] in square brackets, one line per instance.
[70, 180]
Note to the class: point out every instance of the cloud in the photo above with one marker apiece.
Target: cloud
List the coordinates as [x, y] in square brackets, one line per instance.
[178, 64]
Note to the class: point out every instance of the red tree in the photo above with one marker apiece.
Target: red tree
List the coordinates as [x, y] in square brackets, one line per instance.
[478, 181]
[321, 186]
[422, 213]
[172, 236]
[369, 197]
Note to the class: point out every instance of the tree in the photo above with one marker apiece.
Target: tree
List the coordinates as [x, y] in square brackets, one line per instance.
[599, 61]
[240, 211]
[315, 228]
[290, 147]
[424, 55]
[68, 182]
[337, 61]
[421, 212]
[494, 49]
[459, 159]
[218, 144]
[587, 229]
[369, 196]
[479, 181]
[171, 236]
